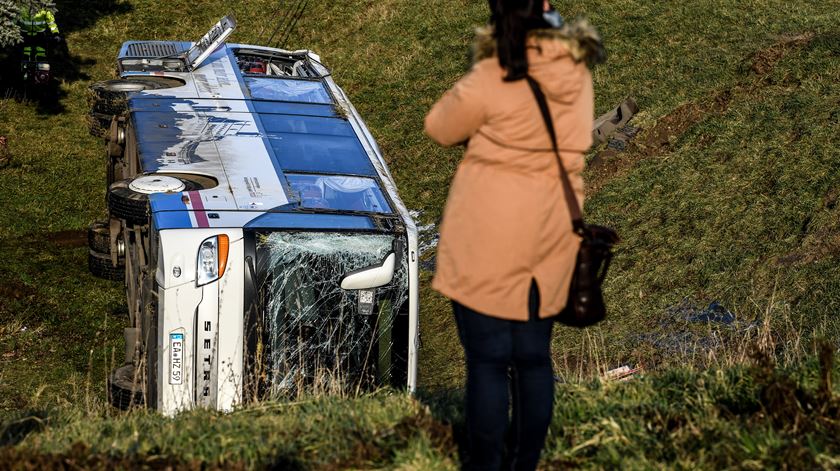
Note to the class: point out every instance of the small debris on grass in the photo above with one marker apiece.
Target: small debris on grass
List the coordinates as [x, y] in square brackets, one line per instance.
[608, 123]
[613, 128]
[622, 136]
[622, 373]
[715, 313]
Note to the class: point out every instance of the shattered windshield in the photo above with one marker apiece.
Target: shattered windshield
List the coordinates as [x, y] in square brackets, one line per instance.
[317, 335]
[339, 192]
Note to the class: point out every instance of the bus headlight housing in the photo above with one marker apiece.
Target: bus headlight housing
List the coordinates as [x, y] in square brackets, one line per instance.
[212, 259]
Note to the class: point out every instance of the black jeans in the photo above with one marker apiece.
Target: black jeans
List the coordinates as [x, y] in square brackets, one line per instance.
[504, 359]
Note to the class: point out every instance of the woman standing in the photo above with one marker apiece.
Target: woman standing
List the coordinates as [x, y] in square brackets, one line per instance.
[507, 250]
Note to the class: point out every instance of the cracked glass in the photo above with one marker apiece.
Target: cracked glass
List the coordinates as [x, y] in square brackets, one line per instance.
[318, 337]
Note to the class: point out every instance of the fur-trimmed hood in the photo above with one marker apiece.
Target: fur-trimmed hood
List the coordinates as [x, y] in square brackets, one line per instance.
[579, 37]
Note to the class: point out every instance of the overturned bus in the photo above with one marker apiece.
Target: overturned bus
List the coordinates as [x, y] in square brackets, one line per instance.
[264, 248]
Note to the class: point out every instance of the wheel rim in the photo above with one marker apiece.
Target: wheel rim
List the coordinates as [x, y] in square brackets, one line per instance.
[156, 184]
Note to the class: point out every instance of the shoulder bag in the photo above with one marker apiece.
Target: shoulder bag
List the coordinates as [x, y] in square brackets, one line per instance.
[585, 306]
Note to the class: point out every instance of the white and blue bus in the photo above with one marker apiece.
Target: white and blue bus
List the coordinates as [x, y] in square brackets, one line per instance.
[263, 245]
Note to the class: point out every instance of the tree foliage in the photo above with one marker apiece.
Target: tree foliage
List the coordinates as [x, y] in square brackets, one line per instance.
[9, 30]
[9, 11]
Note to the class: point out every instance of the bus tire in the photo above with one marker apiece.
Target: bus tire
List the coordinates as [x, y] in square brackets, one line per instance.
[125, 390]
[99, 237]
[100, 266]
[106, 101]
[114, 150]
[127, 204]
[98, 124]
[132, 206]
[109, 97]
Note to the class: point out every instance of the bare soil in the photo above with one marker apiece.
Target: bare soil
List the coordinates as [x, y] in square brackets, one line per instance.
[763, 61]
[67, 239]
[14, 289]
[658, 140]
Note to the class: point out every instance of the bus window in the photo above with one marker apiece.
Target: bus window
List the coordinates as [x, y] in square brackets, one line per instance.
[340, 193]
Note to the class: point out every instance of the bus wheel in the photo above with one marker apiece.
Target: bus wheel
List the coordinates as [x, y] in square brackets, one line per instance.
[101, 266]
[125, 388]
[99, 237]
[129, 199]
[98, 124]
[99, 240]
[109, 98]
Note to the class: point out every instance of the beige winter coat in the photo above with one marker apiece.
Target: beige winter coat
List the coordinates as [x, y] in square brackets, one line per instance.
[506, 220]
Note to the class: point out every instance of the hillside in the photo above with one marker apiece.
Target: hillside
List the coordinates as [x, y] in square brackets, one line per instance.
[726, 200]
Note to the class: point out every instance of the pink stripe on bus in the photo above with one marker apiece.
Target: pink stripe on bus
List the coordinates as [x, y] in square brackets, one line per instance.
[198, 207]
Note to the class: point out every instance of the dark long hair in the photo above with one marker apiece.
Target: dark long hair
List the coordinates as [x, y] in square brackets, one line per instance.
[512, 20]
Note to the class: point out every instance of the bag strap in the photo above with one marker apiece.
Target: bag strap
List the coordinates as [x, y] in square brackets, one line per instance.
[571, 199]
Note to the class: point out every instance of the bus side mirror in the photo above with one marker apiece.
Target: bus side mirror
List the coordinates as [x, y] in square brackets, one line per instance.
[371, 277]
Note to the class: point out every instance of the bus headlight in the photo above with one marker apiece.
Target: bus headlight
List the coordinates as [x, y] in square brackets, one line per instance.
[212, 259]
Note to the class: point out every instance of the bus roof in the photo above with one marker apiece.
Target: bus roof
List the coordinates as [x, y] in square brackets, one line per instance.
[252, 133]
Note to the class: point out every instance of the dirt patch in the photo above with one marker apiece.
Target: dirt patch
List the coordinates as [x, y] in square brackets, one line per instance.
[67, 239]
[821, 245]
[660, 139]
[831, 198]
[13, 289]
[763, 61]
[657, 140]
[439, 433]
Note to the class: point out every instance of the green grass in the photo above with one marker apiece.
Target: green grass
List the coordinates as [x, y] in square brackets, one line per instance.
[738, 205]
[755, 416]
[383, 429]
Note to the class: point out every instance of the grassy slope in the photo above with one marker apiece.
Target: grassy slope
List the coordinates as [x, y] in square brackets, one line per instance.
[747, 418]
[739, 205]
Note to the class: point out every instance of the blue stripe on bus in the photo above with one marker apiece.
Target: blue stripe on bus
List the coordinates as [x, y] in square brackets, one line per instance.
[172, 220]
[167, 202]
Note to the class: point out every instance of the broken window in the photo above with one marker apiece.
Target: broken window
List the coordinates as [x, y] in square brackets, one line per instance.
[256, 62]
[319, 337]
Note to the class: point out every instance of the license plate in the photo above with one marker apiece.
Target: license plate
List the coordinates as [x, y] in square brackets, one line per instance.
[366, 302]
[366, 297]
[176, 358]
